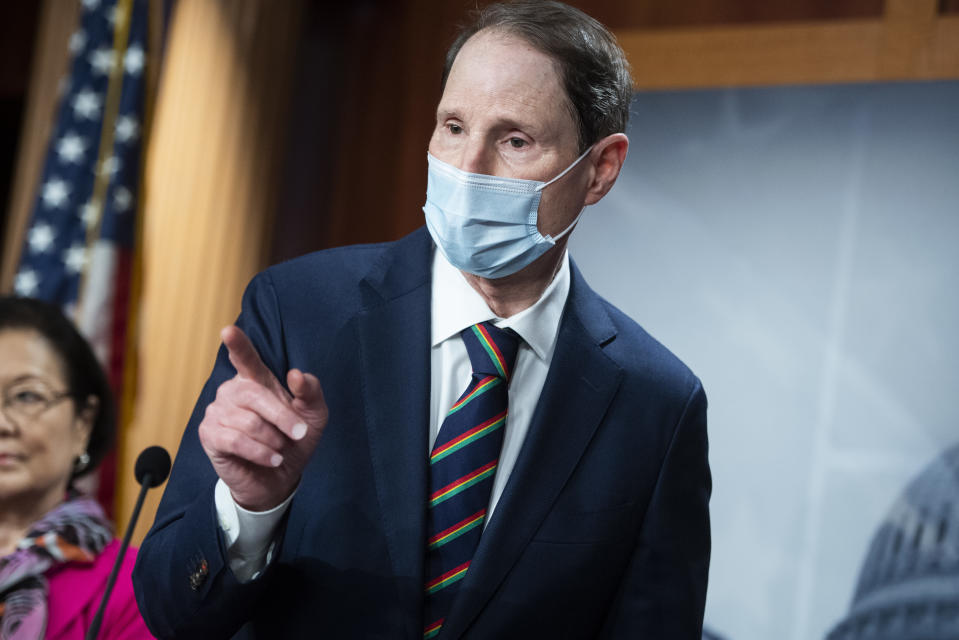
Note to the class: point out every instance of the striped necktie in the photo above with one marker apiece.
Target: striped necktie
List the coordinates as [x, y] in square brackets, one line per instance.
[462, 465]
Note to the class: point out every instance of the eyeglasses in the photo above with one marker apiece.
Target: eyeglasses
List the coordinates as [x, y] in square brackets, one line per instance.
[26, 400]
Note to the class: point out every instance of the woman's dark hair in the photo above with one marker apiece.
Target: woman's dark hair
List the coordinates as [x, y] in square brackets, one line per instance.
[85, 376]
[591, 64]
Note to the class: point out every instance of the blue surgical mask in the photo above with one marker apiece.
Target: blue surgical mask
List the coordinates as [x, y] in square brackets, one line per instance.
[486, 225]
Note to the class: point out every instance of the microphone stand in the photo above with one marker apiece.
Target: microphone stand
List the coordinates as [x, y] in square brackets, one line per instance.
[145, 486]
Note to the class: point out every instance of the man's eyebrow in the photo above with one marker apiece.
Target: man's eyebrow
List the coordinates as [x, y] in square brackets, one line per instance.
[511, 123]
[503, 124]
[442, 114]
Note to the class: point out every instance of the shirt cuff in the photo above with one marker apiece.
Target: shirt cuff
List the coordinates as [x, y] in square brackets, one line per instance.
[248, 534]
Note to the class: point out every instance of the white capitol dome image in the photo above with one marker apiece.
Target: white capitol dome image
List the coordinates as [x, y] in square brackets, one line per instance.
[908, 586]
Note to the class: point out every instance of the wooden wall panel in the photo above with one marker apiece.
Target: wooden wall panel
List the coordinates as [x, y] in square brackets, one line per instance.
[656, 14]
[910, 41]
[386, 118]
[944, 58]
[50, 59]
[18, 29]
[737, 56]
[211, 182]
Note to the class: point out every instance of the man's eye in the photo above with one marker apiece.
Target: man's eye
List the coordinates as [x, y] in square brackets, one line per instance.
[517, 143]
[455, 129]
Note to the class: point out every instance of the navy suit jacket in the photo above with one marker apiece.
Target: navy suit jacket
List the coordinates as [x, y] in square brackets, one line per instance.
[602, 530]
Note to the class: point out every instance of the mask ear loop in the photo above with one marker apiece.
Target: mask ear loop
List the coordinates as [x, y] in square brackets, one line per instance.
[562, 233]
[553, 239]
[566, 170]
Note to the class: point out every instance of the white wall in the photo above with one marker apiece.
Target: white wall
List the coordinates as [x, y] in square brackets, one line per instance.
[797, 247]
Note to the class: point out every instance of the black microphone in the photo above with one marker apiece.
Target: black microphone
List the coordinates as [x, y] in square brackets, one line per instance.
[151, 469]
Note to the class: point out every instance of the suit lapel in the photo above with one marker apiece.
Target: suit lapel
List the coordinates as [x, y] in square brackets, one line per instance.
[393, 334]
[580, 384]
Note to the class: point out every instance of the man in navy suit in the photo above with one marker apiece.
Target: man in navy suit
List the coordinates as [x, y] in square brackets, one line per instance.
[297, 510]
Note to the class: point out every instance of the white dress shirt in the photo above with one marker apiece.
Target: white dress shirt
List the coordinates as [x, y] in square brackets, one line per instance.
[455, 306]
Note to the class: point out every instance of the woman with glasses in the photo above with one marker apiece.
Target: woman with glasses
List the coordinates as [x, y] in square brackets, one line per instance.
[56, 423]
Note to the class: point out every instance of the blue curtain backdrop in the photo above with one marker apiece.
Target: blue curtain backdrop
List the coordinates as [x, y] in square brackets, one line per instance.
[798, 247]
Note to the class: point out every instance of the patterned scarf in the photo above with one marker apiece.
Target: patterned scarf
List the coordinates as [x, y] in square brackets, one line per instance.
[75, 531]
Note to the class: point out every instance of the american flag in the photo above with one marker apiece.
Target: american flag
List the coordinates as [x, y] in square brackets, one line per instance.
[78, 247]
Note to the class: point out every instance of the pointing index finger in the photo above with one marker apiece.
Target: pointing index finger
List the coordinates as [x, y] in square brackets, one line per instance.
[245, 359]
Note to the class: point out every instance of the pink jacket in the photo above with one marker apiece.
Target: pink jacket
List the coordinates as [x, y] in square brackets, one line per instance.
[74, 597]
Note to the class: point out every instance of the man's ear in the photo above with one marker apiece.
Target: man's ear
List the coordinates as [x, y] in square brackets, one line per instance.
[607, 158]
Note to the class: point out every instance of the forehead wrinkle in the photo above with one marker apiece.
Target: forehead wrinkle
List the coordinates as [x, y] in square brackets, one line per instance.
[519, 111]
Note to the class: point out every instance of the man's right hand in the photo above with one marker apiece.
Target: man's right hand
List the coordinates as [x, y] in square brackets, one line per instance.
[258, 436]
